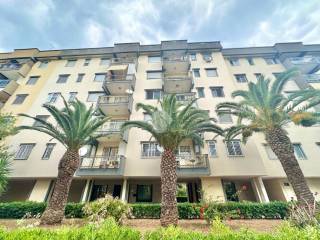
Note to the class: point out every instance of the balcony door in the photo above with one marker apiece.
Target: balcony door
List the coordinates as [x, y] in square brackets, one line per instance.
[110, 153]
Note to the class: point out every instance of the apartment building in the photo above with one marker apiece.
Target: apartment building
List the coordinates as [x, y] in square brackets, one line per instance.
[114, 79]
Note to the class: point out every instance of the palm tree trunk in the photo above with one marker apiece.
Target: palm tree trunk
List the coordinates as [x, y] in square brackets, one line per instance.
[283, 149]
[68, 164]
[169, 210]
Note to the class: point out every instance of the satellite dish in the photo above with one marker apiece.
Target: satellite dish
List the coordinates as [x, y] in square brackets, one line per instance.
[83, 151]
[129, 91]
[159, 148]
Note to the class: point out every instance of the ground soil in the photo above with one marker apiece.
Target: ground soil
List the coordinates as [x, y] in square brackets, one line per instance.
[144, 225]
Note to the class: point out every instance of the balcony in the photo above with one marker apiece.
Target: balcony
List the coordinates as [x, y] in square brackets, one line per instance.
[312, 78]
[173, 64]
[14, 71]
[118, 84]
[178, 83]
[189, 165]
[305, 64]
[185, 97]
[115, 105]
[101, 166]
[7, 88]
[111, 132]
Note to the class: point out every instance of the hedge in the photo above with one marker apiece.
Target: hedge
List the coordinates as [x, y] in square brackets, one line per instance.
[246, 210]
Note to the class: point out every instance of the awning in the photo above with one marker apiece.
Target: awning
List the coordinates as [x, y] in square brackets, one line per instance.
[118, 68]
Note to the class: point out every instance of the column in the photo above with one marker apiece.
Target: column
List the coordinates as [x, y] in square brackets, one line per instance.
[40, 190]
[212, 189]
[87, 191]
[124, 192]
[259, 189]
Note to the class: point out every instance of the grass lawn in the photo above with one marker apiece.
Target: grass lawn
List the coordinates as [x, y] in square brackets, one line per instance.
[144, 225]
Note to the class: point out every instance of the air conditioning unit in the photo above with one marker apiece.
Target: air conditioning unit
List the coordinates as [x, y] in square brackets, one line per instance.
[207, 58]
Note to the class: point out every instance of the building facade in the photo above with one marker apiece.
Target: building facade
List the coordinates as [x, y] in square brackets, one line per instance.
[127, 165]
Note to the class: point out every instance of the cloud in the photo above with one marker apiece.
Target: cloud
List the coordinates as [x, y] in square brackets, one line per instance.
[293, 22]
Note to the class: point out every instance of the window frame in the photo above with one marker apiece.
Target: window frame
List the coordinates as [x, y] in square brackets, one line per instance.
[225, 122]
[271, 155]
[154, 57]
[28, 152]
[86, 62]
[94, 92]
[153, 91]
[100, 74]
[42, 117]
[154, 71]
[43, 64]
[301, 151]
[234, 61]
[218, 87]
[209, 143]
[34, 82]
[104, 60]
[193, 56]
[74, 94]
[71, 63]
[215, 71]
[80, 77]
[196, 70]
[250, 61]
[44, 157]
[152, 152]
[240, 76]
[200, 89]
[63, 76]
[16, 100]
[240, 147]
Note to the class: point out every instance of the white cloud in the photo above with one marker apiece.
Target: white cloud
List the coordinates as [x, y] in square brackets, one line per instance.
[295, 22]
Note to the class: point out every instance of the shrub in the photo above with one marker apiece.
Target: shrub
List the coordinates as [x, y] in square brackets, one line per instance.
[106, 207]
[302, 215]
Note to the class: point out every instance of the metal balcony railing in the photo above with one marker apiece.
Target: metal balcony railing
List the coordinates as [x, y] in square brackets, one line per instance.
[101, 162]
[192, 161]
[4, 83]
[304, 60]
[123, 60]
[176, 58]
[114, 99]
[122, 77]
[178, 76]
[312, 78]
[110, 127]
[185, 97]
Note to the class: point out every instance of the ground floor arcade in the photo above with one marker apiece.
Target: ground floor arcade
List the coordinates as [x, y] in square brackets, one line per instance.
[133, 190]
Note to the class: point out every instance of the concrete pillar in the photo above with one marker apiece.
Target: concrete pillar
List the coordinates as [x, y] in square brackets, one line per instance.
[87, 191]
[40, 190]
[259, 189]
[212, 189]
[124, 191]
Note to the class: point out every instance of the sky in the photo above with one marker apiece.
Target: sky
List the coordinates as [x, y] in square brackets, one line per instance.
[64, 24]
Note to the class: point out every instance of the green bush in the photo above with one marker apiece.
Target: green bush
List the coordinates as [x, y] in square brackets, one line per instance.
[109, 230]
[106, 207]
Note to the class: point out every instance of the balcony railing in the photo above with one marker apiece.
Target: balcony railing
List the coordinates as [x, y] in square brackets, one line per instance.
[192, 161]
[123, 60]
[312, 78]
[113, 99]
[176, 58]
[186, 97]
[4, 83]
[101, 162]
[10, 66]
[111, 127]
[304, 60]
[120, 78]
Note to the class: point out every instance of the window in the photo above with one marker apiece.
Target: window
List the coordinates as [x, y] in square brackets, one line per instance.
[234, 148]
[80, 77]
[258, 75]
[207, 57]
[32, 80]
[196, 72]
[150, 149]
[24, 151]
[53, 97]
[211, 72]
[71, 63]
[86, 62]
[241, 78]
[72, 96]
[217, 91]
[43, 64]
[153, 94]
[271, 61]
[270, 153]
[212, 148]
[20, 98]
[225, 118]
[105, 61]
[93, 96]
[63, 78]
[193, 56]
[154, 74]
[147, 117]
[276, 75]
[298, 151]
[234, 62]
[99, 77]
[144, 193]
[200, 91]
[250, 61]
[42, 117]
[47, 152]
[154, 59]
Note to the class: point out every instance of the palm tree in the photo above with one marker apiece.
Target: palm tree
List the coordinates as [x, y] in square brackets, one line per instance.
[170, 124]
[76, 125]
[264, 108]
